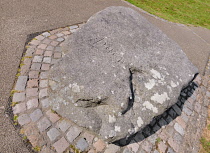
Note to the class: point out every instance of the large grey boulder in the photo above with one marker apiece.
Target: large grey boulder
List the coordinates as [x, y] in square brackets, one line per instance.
[119, 71]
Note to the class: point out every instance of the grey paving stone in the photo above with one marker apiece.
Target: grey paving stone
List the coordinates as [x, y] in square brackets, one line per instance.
[60, 35]
[43, 75]
[88, 137]
[170, 150]
[179, 129]
[73, 27]
[33, 74]
[60, 39]
[43, 93]
[152, 139]
[170, 129]
[178, 138]
[206, 101]
[208, 94]
[126, 150]
[197, 107]
[37, 59]
[24, 119]
[17, 97]
[21, 83]
[184, 117]
[57, 49]
[35, 66]
[82, 144]
[36, 115]
[53, 117]
[32, 103]
[39, 37]
[133, 146]
[111, 148]
[45, 103]
[19, 108]
[73, 133]
[30, 51]
[189, 105]
[46, 34]
[187, 111]
[31, 92]
[43, 124]
[63, 125]
[162, 146]
[53, 133]
[50, 48]
[47, 60]
[43, 83]
[146, 146]
[61, 145]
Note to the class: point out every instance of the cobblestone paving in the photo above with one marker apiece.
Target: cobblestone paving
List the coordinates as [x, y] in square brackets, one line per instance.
[177, 130]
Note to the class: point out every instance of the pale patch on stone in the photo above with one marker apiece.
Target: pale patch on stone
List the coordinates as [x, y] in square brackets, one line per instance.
[122, 104]
[150, 84]
[131, 131]
[137, 99]
[52, 84]
[139, 122]
[117, 128]
[143, 109]
[75, 87]
[170, 90]
[174, 84]
[160, 98]
[156, 74]
[149, 106]
[112, 119]
[112, 133]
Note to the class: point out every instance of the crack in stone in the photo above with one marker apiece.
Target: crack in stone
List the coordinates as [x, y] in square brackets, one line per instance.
[90, 102]
[132, 98]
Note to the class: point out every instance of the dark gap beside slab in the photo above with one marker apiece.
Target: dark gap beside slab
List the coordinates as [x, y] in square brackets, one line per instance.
[169, 115]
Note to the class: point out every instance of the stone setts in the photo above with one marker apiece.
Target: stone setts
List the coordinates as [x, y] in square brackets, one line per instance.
[49, 132]
[118, 72]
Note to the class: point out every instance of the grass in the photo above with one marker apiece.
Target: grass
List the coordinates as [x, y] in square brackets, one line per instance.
[205, 140]
[189, 12]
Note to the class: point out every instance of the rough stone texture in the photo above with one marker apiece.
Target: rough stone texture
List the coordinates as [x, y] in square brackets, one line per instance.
[43, 124]
[61, 145]
[53, 133]
[82, 144]
[112, 149]
[32, 103]
[21, 83]
[73, 133]
[18, 97]
[36, 115]
[63, 125]
[124, 71]
[19, 108]
[23, 119]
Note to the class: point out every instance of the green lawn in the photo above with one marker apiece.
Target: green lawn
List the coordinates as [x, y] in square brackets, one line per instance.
[190, 12]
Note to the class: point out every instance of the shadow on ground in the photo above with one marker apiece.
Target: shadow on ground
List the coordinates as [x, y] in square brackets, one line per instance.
[169, 115]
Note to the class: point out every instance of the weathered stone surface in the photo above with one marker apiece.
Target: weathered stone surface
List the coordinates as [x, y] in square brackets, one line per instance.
[118, 72]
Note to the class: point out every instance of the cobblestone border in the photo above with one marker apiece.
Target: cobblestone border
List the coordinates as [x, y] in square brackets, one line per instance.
[49, 133]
